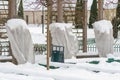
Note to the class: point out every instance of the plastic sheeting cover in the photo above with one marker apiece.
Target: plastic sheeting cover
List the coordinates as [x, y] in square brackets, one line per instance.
[21, 41]
[62, 36]
[104, 37]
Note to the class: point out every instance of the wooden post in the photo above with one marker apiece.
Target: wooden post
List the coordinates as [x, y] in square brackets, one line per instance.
[12, 14]
[100, 9]
[59, 11]
[12, 9]
[49, 6]
[48, 38]
[85, 26]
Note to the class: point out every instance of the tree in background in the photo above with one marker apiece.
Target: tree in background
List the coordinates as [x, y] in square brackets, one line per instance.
[79, 14]
[20, 10]
[59, 11]
[93, 13]
[116, 21]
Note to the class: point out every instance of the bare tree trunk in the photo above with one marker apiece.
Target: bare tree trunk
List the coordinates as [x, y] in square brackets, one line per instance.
[60, 11]
[12, 8]
[85, 27]
[50, 13]
[49, 8]
[100, 9]
[11, 14]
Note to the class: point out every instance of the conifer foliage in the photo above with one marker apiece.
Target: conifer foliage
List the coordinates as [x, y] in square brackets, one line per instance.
[116, 21]
[20, 10]
[93, 13]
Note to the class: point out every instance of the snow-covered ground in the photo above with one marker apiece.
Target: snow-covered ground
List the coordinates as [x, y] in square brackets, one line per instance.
[72, 69]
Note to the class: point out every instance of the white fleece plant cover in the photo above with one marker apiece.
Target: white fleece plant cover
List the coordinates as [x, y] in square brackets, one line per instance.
[62, 36]
[21, 41]
[104, 37]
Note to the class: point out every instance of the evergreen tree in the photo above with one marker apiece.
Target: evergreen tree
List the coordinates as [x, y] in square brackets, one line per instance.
[79, 14]
[93, 14]
[116, 21]
[20, 10]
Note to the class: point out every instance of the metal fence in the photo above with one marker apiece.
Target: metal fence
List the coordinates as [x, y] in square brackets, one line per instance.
[92, 48]
[40, 49]
[6, 51]
[5, 48]
[117, 48]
